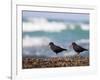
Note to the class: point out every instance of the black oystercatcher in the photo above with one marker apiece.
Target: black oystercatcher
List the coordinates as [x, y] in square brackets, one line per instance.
[78, 48]
[55, 48]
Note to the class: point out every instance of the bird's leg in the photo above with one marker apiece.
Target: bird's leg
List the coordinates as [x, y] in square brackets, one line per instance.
[78, 55]
[78, 58]
[56, 54]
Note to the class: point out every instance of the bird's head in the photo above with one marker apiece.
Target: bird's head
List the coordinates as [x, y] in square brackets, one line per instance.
[51, 43]
[73, 43]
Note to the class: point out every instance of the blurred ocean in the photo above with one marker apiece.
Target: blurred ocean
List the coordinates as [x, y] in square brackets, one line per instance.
[41, 27]
[37, 33]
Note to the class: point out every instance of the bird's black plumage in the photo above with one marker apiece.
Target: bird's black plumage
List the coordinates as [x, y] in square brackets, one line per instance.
[78, 48]
[56, 48]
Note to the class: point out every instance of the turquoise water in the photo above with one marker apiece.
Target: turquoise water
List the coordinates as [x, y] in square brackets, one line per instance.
[65, 36]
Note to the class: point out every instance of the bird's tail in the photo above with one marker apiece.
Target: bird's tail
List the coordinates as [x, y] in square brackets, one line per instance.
[86, 49]
[65, 49]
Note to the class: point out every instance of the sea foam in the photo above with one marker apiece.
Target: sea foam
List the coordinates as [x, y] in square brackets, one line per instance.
[35, 41]
[42, 24]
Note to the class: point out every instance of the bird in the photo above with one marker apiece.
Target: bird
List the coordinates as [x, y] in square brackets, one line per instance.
[56, 48]
[78, 49]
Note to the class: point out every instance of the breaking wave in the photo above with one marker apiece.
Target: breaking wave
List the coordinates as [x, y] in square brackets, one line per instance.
[83, 41]
[42, 24]
[35, 41]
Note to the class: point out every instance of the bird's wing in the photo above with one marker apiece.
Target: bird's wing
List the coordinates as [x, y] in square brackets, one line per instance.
[57, 47]
[80, 48]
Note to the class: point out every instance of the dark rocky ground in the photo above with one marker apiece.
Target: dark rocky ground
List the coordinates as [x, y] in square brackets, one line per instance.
[32, 62]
